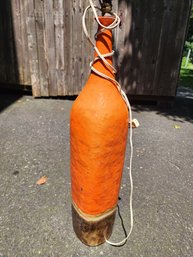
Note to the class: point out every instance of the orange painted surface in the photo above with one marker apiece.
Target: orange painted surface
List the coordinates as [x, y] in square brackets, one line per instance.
[98, 133]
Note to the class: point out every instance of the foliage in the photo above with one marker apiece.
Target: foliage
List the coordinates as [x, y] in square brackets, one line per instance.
[189, 66]
[189, 39]
[186, 74]
[190, 29]
[189, 45]
[186, 77]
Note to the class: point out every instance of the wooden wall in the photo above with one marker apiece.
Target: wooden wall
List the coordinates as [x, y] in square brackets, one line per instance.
[150, 44]
[42, 44]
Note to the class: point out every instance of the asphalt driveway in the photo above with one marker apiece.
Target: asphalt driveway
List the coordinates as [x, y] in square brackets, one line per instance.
[36, 220]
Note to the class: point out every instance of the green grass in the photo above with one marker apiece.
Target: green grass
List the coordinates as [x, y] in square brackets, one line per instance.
[189, 66]
[186, 74]
[186, 77]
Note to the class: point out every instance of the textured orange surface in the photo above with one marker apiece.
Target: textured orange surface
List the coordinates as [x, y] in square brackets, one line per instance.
[98, 133]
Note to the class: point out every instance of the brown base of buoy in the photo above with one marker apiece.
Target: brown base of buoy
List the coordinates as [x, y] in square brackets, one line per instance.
[93, 231]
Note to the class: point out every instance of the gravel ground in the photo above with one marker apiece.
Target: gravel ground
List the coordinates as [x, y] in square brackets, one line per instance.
[36, 220]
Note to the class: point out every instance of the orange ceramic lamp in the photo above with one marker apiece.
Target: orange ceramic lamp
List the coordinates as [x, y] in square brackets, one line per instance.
[98, 134]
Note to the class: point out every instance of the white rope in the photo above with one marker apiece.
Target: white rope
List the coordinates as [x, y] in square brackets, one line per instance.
[114, 24]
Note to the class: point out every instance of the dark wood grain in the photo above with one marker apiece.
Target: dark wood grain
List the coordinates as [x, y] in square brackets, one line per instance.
[41, 48]
[24, 39]
[92, 233]
[50, 50]
[149, 45]
[33, 48]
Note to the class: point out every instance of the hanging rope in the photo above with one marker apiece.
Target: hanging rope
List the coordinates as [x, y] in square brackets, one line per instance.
[113, 25]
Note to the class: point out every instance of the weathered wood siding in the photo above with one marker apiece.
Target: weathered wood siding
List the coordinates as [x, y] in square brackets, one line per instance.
[42, 44]
[149, 45]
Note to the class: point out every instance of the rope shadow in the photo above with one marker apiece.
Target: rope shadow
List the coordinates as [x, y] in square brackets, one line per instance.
[122, 224]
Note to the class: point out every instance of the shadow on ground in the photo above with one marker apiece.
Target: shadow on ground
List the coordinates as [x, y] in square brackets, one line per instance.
[7, 99]
[180, 111]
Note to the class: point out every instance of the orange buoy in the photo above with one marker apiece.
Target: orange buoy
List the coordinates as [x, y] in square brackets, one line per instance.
[98, 133]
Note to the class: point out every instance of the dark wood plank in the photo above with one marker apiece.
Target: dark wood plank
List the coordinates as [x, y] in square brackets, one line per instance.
[76, 46]
[42, 60]
[166, 73]
[50, 46]
[9, 48]
[33, 49]
[128, 43]
[25, 52]
[67, 56]
[149, 51]
[68, 47]
[87, 52]
[182, 27]
[2, 44]
[149, 45]
[16, 16]
[59, 39]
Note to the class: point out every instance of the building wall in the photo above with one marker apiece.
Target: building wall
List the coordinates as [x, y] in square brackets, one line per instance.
[42, 44]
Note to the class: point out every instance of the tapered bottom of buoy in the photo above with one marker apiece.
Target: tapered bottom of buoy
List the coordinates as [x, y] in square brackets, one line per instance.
[93, 230]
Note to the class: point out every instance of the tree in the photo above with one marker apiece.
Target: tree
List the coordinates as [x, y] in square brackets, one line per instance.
[190, 29]
[189, 39]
